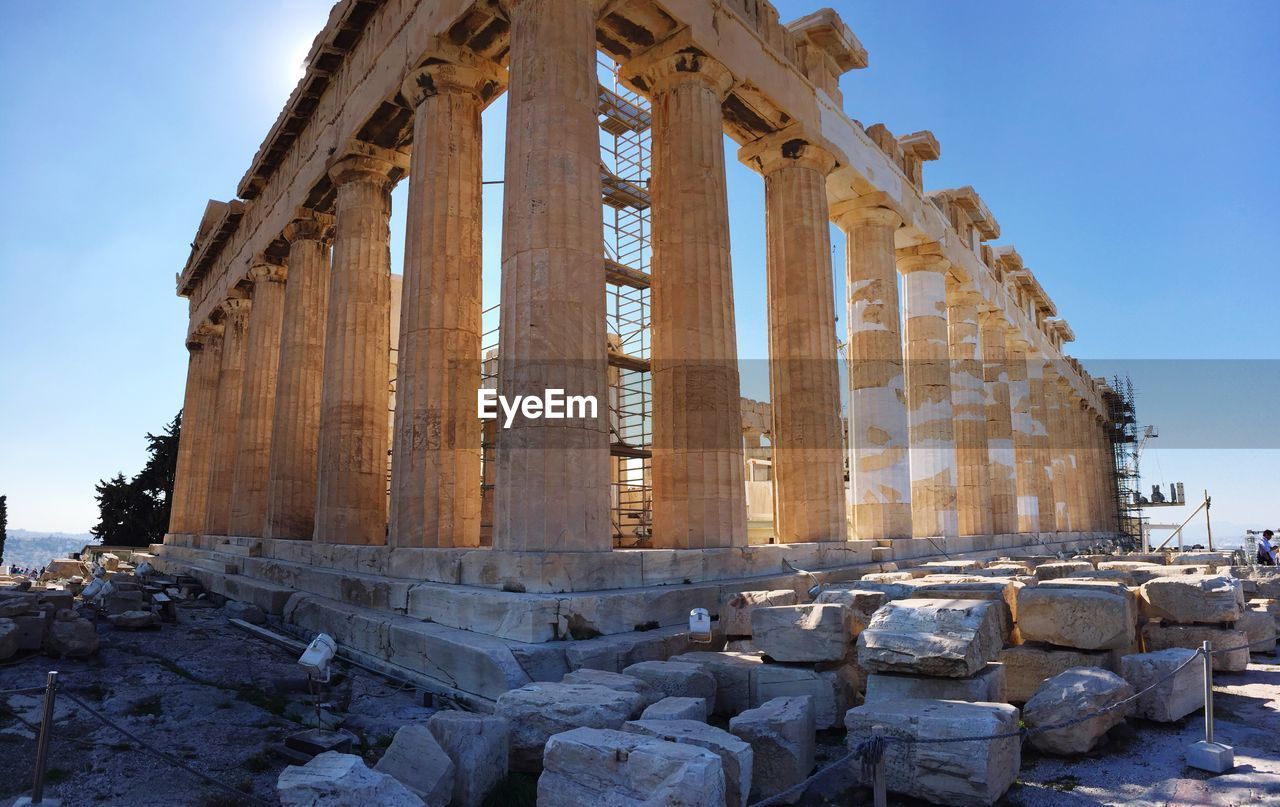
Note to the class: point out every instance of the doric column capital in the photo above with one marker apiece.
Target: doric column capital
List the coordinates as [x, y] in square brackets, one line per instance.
[448, 68]
[203, 336]
[992, 318]
[787, 148]
[309, 225]
[364, 162]
[266, 269]
[662, 69]
[234, 305]
[962, 295]
[857, 212]
[922, 263]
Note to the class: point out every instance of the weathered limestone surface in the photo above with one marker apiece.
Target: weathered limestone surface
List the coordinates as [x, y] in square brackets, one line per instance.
[1192, 598]
[950, 638]
[736, 608]
[589, 767]
[1027, 666]
[338, 780]
[10, 638]
[986, 686]
[191, 475]
[1040, 441]
[676, 678]
[351, 491]
[555, 473]
[1000, 452]
[736, 756]
[258, 401]
[808, 633]
[969, 413]
[418, 762]
[537, 711]
[929, 412]
[1028, 472]
[781, 735]
[862, 604]
[671, 708]
[976, 772]
[235, 328]
[831, 691]
[477, 746]
[295, 435]
[72, 638]
[1260, 627]
[1069, 617]
[435, 462]
[645, 693]
[804, 375]
[1069, 695]
[880, 475]
[733, 674]
[1173, 699]
[1066, 568]
[698, 473]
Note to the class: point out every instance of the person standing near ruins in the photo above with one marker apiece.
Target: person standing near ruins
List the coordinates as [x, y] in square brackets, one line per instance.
[1266, 552]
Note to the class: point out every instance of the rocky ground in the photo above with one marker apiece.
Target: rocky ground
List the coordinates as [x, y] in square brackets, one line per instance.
[218, 700]
[201, 690]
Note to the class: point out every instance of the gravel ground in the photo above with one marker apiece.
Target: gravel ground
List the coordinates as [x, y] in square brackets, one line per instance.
[207, 693]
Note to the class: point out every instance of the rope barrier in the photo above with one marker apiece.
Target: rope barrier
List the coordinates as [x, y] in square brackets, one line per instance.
[167, 757]
[22, 691]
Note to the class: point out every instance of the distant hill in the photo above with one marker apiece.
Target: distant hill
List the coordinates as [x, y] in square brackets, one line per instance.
[32, 549]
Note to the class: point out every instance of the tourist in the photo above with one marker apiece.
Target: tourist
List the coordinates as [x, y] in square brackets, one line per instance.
[1266, 552]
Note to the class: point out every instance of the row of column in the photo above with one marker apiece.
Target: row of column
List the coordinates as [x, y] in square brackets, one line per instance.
[286, 430]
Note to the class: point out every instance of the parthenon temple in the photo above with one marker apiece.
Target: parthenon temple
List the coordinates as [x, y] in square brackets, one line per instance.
[333, 466]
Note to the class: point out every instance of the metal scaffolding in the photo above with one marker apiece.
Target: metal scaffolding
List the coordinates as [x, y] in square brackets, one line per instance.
[624, 189]
[1124, 432]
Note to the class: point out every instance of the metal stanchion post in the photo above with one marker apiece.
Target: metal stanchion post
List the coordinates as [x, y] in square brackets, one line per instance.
[1208, 755]
[42, 746]
[878, 790]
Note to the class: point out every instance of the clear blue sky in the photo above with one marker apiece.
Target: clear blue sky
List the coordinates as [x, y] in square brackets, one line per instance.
[1126, 148]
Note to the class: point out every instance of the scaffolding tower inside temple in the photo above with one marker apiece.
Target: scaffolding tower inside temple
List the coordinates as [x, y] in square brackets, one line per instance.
[624, 186]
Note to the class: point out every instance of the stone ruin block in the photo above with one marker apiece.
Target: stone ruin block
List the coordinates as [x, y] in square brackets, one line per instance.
[677, 709]
[478, 747]
[645, 693]
[862, 603]
[1188, 599]
[781, 735]
[736, 608]
[589, 767]
[732, 672]
[1160, 636]
[1139, 573]
[833, 692]
[1027, 666]
[736, 756]
[537, 711]
[418, 762]
[1072, 617]
[950, 638]
[965, 774]
[1072, 694]
[1066, 568]
[335, 778]
[987, 686]
[676, 679]
[1213, 559]
[803, 633]
[1175, 698]
[1260, 627]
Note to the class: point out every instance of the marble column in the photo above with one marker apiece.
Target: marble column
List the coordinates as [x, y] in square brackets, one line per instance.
[435, 453]
[1040, 441]
[295, 435]
[699, 494]
[351, 488]
[1000, 452]
[258, 401]
[552, 486]
[1059, 448]
[929, 413]
[1079, 453]
[226, 413]
[804, 370]
[969, 412]
[1089, 463]
[879, 468]
[1107, 518]
[191, 476]
[1027, 470]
